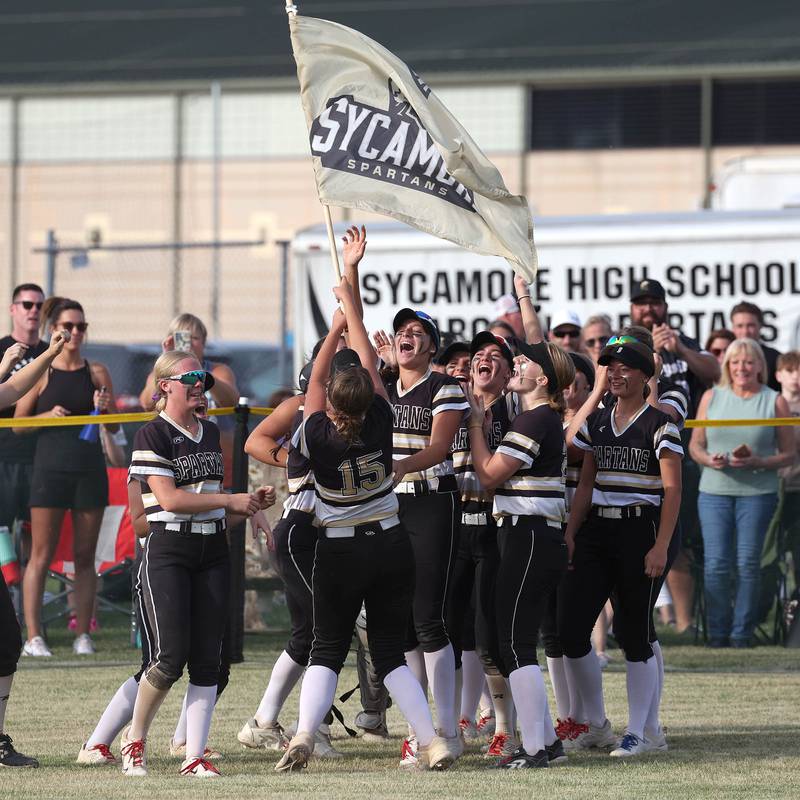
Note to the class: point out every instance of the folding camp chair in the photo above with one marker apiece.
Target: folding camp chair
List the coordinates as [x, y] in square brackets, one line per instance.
[115, 547]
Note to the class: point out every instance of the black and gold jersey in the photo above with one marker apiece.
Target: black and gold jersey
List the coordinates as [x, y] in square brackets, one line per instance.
[299, 474]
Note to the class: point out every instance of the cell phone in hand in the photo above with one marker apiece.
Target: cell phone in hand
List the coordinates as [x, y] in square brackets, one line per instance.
[182, 340]
[742, 451]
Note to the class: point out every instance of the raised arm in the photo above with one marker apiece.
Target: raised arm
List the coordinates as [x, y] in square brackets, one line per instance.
[530, 319]
[359, 338]
[315, 396]
[22, 381]
[592, 402]
[355, 244]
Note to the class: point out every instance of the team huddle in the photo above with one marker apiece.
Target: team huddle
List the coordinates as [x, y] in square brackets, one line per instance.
[453, 506]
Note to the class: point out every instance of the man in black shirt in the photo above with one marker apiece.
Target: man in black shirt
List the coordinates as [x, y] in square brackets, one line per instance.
[746, 323]
[16, 452]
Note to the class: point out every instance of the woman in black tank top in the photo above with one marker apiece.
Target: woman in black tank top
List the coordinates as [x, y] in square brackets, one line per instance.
[69, 473]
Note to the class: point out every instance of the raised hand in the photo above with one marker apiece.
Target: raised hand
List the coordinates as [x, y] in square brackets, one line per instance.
[384, 347]
[12, 357]
[355, 243]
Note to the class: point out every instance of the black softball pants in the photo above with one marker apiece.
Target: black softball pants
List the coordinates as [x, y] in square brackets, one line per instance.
[533, 558]
[471, 597]
[375, 567]
[433, 522]
[295, 541]
[609, 560]
[10, 634]
[185, 586]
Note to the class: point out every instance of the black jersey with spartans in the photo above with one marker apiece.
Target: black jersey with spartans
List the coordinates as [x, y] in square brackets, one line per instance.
[414, 409]
[474, 497]
[299, 474]
[194, 462]
[538, 487]
[628, 472]
[353, 480]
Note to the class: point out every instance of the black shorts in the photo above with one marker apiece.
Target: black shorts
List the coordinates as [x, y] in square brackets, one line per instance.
[52, 488]
[15, 487]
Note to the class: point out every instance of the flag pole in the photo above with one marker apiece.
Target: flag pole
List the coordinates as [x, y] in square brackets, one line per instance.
[291, 10]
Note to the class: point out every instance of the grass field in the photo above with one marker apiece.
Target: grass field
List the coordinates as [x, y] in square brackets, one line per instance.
[732, 718]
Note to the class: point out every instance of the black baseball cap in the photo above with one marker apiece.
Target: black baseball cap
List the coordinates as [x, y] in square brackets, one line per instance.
[344, 359]
[450, 351]
[647, 288]
[485, 338]
[630, 352]
[539, 354]
[406, 314]
[583, 364]
[305, 376]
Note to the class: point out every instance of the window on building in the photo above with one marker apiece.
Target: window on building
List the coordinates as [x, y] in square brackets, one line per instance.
[756, 112]
[660, 115]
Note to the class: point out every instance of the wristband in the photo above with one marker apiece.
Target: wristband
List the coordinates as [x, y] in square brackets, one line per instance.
[523, 296]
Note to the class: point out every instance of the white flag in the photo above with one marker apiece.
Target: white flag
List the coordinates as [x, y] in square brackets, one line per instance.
[382, 141]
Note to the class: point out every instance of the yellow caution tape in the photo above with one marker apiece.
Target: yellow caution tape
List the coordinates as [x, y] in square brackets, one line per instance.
[777, 422]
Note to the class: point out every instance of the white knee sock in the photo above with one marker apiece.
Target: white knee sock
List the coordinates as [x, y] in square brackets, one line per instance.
[179, 737]
[486, 703]
[316, 697]
[653, 724]
[200, 701]
[503, 705]
[407, 693]
[549, 731]
[642, 684]
[558, 677]
[472, 685]
[416, 663]
[117, 715]
[5, 692]
[441, 669]
[587, 677]
[283, 679]
[530, 700]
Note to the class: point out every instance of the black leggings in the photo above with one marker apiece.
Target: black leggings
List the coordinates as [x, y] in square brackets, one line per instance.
[185, 584]
[609, 559]
[471, 597]
[433, 523]
[375, 567]
[295, 542]
[10, 634]
[533, 557]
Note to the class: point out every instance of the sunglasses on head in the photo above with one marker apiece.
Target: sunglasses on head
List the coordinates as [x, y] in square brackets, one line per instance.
[190, 378]
[28, 304]
[599, 341]
[77, 326]
[622, 340]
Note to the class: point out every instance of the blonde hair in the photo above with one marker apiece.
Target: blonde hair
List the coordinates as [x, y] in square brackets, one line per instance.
[599, 319]
[750, 347]
[165, 367]
[188, 322]
[564, 367]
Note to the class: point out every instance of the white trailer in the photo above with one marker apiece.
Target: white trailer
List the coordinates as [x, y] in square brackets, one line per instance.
[708, 261]
[752, 182]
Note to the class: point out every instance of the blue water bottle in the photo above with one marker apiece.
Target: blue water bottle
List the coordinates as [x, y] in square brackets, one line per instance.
[91, 433]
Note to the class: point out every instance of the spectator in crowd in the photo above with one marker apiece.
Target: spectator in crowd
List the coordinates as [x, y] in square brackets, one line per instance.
[788, 374]
[187, 332]
[501, 328]
[692, 369]
[16, 454]
[455, 361]
[746, 322]
[738, 489]
[565, 330]
[596, 332]
[718, 341]
[69, 473]
[506, 310]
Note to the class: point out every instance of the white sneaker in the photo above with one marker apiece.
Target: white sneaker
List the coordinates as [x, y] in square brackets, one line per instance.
[83, 645]
[438, 755]
[179, 751]
[597, 736]
[657, 740]
[199, 768]
[630, 745]
[297, 753]
[36, 647]
[96, 756]
[408, 753]
[322, 744]
[133, 759]
[270, 737]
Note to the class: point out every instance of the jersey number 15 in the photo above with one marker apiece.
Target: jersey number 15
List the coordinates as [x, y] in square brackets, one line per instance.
[365, 472]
